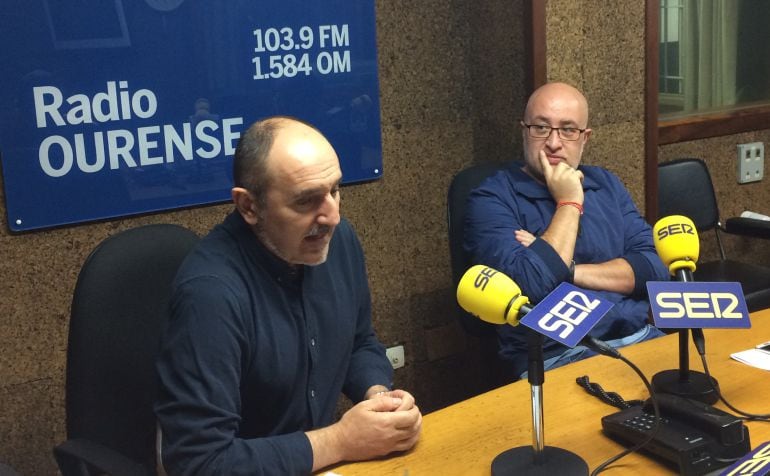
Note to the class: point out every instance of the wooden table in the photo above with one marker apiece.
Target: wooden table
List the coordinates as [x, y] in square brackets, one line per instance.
[464, 438]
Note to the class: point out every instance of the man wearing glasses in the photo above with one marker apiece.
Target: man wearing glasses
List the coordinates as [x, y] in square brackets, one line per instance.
[551, 219]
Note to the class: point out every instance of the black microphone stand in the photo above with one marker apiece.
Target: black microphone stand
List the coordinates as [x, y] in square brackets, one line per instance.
[685, 382]
[538, 459]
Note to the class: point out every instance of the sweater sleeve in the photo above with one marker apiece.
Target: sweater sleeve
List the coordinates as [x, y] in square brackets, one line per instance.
[491, 219]
[368, 363]
[639, 248]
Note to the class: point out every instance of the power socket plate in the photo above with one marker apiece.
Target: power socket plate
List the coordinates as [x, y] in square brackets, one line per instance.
[396, 356]
[751, 162]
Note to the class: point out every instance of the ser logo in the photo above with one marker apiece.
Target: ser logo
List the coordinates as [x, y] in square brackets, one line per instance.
[690, 304]
[676, 229]
[571, 311]
[756, 463]
[676, 305]
[567, 314]
[483, 278]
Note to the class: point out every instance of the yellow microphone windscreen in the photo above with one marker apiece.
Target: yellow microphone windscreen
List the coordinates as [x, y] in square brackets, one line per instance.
[676, 241]
[487, 293]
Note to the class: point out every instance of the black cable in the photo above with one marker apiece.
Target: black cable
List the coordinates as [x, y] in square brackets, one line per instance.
[747, 415]
[612, 401]
[700, 345]
[610, 398]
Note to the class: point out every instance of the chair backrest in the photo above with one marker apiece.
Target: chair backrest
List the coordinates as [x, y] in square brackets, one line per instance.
[685, 188]
[459, 189]
[119, 310]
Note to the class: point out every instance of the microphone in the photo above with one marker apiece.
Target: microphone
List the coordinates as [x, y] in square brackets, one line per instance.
[495, 298]
[491, 296]
[677, 244]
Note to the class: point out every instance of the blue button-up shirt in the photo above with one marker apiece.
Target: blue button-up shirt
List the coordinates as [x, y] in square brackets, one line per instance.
[610, 228]
[257, 353]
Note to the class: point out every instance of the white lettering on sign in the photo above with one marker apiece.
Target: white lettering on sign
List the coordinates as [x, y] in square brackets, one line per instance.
[148, 145]
[112, 105]
[698, 305]
[293, 52]
[756, 465]
[568, 313]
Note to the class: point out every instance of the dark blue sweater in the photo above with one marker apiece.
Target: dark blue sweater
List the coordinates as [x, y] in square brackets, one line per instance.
[255, 354]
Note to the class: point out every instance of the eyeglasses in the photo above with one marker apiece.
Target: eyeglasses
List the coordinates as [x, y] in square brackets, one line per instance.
[542, 131]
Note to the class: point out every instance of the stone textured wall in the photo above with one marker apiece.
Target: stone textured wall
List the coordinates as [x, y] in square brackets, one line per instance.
[599, 48]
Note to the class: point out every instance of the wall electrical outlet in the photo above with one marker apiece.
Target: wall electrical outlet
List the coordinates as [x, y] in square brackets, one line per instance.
[396, 356]
[751, 162]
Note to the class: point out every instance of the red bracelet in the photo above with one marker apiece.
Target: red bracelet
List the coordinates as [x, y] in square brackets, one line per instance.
[574, 204]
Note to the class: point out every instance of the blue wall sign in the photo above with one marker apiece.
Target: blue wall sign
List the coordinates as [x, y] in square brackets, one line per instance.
[116, 107]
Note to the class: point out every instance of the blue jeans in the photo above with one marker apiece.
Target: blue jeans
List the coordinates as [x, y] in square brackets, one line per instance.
[580, 352]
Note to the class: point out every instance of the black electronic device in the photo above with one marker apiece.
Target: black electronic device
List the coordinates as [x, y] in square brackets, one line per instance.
[694, 437]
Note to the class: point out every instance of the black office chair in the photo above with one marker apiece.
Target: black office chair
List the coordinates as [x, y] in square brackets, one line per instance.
[119, 309]
[685, 188]
[493, 370]
[460, 187]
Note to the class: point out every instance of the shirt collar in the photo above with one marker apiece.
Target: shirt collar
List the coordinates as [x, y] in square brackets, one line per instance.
[279, 269]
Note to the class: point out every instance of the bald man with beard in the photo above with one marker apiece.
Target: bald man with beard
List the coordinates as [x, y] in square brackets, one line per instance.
[271, 322]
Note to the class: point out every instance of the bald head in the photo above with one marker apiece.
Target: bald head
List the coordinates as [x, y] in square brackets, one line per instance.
[250, 163]
[287, 179]
[557, 110]
[558, 96]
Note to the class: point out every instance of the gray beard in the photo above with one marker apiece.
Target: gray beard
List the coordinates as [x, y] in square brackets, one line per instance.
[263, 238]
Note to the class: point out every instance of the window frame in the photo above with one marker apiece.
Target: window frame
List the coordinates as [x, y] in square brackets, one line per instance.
[702, 126]
[744, 118]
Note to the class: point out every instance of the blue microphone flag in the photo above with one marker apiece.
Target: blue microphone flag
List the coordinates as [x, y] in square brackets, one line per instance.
[698, 305]
[567, 314]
